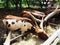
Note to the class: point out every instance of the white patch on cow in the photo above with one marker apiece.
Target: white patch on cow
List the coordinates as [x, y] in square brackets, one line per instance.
[24, 26]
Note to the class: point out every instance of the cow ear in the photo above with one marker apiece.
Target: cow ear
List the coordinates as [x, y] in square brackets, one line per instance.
[4, 22]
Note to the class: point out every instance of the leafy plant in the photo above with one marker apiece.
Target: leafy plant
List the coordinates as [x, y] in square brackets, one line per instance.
[58, 2]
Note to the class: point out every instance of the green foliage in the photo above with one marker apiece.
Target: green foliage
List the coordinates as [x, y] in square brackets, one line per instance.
[22, 3]
[58, 2]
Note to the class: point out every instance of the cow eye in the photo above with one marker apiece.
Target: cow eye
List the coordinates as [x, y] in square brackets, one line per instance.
[13, 22]
[6, 22]
[24, 25]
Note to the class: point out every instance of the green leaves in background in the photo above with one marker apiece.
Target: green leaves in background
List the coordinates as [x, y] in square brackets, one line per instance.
[58, 2]
[22, 3]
